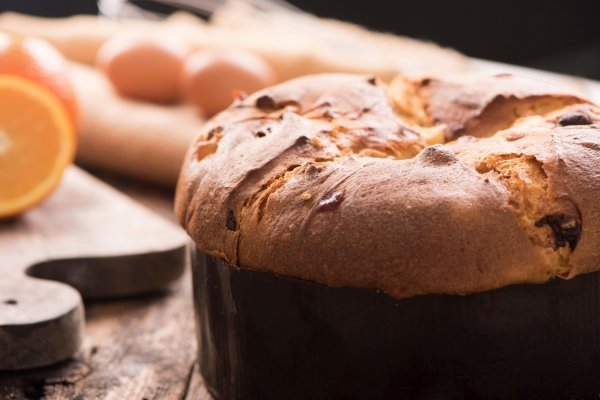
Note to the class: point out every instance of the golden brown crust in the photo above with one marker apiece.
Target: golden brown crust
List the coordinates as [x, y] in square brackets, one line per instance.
[333, 179]
[478, 108]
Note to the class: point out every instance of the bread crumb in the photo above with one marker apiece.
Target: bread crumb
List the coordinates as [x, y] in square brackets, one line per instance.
[306, 196]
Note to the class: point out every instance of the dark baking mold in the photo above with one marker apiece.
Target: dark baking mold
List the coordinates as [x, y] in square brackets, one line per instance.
[264, 336]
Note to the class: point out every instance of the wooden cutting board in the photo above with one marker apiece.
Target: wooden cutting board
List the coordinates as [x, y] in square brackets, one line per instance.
[86, 241]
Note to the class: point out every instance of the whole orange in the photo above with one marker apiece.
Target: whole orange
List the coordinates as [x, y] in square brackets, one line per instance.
[38, 61]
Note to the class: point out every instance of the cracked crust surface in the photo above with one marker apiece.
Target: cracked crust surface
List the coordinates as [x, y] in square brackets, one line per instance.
[428, 185]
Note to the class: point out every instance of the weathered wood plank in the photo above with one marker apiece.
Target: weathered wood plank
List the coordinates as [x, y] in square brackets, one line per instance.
[138, 348]
[91, 237]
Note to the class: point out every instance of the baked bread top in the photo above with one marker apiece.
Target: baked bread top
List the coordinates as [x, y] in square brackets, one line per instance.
[427, 185]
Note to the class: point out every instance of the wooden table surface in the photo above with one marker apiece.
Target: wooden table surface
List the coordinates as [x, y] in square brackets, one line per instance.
[135, 349]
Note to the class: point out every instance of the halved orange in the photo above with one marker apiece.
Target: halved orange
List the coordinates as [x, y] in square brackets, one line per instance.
[37, 143]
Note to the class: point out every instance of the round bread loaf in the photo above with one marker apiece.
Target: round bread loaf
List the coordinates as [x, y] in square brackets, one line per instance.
[432, 185]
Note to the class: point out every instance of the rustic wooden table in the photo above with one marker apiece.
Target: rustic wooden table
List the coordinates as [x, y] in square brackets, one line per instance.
[140, 348]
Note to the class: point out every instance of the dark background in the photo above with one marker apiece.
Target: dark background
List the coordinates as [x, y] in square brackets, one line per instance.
[559, 35]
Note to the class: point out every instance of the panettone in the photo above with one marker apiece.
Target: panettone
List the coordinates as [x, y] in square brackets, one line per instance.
[438, 185]
[363, 241]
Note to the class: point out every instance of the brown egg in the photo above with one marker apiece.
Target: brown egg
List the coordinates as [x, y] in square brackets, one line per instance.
[212, 77]
[144, 68]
